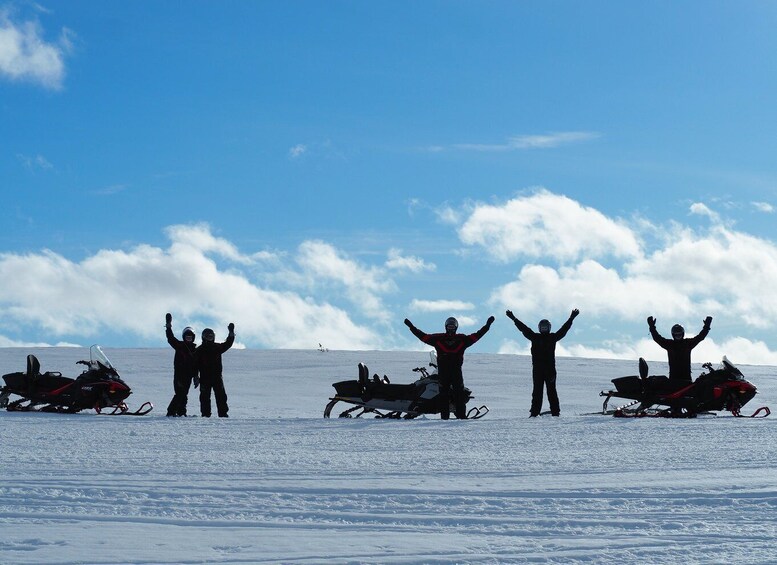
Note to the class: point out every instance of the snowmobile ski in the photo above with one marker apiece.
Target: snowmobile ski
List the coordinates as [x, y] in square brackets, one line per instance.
[123, 410]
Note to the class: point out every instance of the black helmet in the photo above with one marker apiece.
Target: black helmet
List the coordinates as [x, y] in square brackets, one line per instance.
[544, 326]
[208, 335]
[451, 325]
[187, 331]
[678, 332]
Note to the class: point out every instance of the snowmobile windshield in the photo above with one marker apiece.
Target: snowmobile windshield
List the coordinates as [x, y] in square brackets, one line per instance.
[97, 356]
[729, 366]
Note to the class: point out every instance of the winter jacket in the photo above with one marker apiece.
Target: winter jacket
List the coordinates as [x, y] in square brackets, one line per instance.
[450, 348]
[543, 346]
[208, 357]
[184, 364]
[679, 352]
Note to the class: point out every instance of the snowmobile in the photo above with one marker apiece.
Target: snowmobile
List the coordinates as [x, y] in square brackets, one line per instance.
[99, 387]
[378, 396]
[717, 389]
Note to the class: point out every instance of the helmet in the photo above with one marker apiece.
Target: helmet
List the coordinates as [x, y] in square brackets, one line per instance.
[451, 325]
[544, 326]
[187, 331]
[678, 332]
[208, 335]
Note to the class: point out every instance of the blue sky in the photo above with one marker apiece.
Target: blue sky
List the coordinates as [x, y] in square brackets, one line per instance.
[318, 171]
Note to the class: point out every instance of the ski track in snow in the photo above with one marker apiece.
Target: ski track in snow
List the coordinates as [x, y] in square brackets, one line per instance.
[277, 483]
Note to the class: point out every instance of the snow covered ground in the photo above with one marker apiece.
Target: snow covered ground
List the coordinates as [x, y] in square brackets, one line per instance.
[278, 483]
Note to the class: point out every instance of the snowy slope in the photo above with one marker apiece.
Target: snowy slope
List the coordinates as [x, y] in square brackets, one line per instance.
[277, 483]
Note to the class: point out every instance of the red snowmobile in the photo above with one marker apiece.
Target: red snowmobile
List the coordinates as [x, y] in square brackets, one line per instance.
[98, 388]
[724, 388]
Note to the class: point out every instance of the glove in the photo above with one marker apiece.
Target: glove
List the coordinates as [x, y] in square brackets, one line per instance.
[168, 319]
[408, 323]
[196, 381]
[490, 320]
[575, 313]
[231, 327]
[707, 321]
[510, 314]
[651, 322]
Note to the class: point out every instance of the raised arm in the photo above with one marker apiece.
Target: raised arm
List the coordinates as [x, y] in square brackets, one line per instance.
[230, 338]
[416, 332]
[562, 331]
[482, 331]
[171, 339]
[523, 328]
[703, 333]
[657, 337]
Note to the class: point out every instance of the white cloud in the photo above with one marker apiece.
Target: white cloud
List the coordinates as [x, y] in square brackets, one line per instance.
[703, 210]
[721, 268]
[129, 291]
[595, 289]
[468, 322]
[323, 263]
[398, 262]
[111, 190]
[717, 271]
[440, 306]
[763, 207]
[551, 139]
[546, 225]
[448, 215]
[297, 151]
[26, 56]
[198, 237]
[523, 142]
[36, 162]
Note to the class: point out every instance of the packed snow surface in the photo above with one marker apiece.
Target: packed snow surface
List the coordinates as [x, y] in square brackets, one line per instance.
[278, 483]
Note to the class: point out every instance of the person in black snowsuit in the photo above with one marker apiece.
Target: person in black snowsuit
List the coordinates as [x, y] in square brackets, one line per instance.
[679, 348]
[184, 367]
[543, 360]
[208, 358]
[450, 347]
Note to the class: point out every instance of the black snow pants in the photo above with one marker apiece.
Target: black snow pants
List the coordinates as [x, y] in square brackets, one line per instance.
[181, 386]
[216, 384]
[452, 392]
[546, 378]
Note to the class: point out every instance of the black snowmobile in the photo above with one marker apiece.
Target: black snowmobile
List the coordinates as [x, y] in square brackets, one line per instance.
[724, 388]
[378, 396]
[98, 388]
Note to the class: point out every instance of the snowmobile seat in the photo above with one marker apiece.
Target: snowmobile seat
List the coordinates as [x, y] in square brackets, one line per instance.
[661, 384]
[52, 380]
[364, 374]
[392, 391]
[628, 385]
[643, 368]
[348, 388]
[16, 381]
[33, 367]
